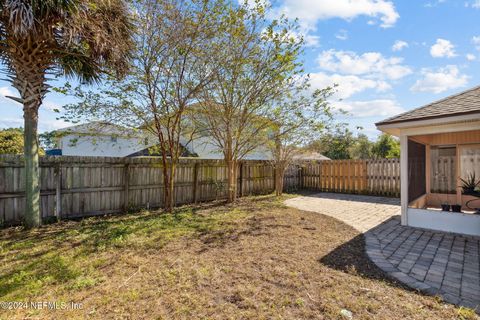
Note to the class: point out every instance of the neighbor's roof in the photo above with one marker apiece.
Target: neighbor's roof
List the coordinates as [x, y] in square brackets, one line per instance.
[98, 128]
[463, 103]
[310, 156]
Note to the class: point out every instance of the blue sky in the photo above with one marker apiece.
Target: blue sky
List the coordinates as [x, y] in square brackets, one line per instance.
[386, 56]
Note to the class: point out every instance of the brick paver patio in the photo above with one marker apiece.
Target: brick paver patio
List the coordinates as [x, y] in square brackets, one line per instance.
[435, 263]
[361, 212]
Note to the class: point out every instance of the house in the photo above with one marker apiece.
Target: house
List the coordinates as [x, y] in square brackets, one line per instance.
[104, 139]
[310, 156]
[440, 146]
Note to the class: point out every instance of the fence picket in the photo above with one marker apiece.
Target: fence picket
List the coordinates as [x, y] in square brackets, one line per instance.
[82, 186]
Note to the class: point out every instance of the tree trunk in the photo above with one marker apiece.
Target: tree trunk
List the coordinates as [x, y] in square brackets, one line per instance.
[279, 166]
[172, 187]
[32, 173]
[31, 57]
[279, 176]
[167, 188]
[232, 180]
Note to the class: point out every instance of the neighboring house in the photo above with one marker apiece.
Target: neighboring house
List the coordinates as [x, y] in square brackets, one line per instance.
[310, 156]
[440, 146]
[205, 148]
[101, 139]
[108, 140]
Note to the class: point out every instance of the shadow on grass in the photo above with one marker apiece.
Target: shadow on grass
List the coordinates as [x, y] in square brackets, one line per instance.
[352, 256]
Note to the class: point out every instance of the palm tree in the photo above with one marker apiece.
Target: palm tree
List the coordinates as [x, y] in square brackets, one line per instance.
[74, 38]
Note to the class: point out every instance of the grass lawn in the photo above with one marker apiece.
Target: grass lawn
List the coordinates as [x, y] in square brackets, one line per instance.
[256, 259]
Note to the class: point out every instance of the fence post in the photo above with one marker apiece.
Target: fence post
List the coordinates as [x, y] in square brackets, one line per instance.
[195, 182]
[274, 177]
[300, 177]
[58, 190]
[241, 178]
[126, 174]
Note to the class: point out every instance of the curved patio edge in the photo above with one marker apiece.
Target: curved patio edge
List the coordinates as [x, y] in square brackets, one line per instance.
[375, 254]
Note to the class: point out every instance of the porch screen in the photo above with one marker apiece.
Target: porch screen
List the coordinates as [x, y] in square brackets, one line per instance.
[416, 170]
[470, 161]
[443, 173]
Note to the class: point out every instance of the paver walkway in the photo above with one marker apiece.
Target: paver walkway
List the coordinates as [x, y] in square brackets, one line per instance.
[435, 263]
[361, 212]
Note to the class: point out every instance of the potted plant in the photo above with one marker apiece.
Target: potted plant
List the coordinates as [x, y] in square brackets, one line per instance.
[456, 208]
[470, 188]
[445, 206]
[470, 184]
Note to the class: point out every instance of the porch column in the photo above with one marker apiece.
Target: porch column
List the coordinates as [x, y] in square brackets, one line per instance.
[404, 178]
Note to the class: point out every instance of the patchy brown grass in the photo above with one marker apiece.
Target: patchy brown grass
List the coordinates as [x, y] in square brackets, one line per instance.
[256, 259]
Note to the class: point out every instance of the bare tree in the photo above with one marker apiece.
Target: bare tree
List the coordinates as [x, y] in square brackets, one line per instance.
[257, 57]
[299, 116]
[173, 61]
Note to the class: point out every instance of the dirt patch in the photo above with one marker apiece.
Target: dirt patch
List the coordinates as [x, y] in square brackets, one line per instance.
[256, 259]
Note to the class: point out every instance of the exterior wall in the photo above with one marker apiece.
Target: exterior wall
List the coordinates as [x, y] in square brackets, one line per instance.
[455, 222]
[102, 146]
[205, 149]
[465, 137]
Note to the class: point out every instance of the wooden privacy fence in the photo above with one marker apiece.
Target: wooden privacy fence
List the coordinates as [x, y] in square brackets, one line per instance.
[83, 186]
[373, 177]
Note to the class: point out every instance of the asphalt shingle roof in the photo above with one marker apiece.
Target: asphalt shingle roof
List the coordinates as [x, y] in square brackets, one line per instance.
[466, 102]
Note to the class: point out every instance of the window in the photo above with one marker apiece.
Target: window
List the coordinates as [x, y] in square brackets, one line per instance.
[470, 161]
[443, 177]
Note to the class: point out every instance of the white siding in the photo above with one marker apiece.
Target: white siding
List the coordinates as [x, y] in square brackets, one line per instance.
[103, 146]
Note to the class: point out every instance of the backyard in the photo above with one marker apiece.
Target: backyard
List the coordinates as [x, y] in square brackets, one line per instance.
[257, 259]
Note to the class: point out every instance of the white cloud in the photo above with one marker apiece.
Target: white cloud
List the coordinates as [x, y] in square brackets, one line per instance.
[440, 80]
[399, 45]
[470, 57]
[443, 48]
[473, 4]
[310, 12]
[476, 42]
[342, 34]
[372, 108]
[309, 40]
[433, 4]
[371, 64]
[6, 91]
[348, 85]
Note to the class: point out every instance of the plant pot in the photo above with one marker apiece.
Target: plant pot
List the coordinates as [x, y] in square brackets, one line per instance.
[456, 208]
[445, 207]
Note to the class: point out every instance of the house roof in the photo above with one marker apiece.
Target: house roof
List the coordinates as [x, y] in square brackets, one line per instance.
[310, 156]
[463, 103]
[99, 128]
